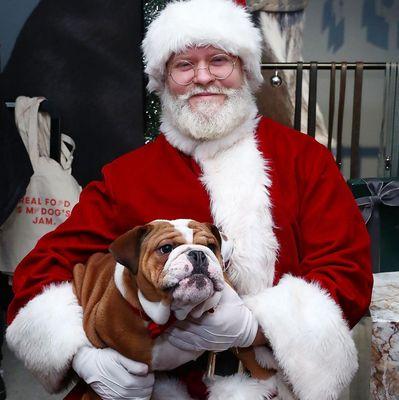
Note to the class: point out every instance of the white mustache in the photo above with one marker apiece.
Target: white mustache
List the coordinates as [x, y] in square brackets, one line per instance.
[209, 90]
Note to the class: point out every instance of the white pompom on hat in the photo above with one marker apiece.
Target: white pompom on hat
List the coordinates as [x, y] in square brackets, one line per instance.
[219, 23]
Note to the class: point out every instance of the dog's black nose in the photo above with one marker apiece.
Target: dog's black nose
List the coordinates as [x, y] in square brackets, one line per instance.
[197, 256]
[199, 261]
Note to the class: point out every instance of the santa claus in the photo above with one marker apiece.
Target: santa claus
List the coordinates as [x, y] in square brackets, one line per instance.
[300, 265]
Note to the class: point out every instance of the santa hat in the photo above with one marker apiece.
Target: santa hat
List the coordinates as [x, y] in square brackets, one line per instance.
[220, 23]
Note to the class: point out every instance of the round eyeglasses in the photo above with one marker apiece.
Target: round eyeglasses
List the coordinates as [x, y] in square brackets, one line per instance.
[219, 66]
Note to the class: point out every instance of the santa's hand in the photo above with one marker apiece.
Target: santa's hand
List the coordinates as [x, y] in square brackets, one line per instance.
[230, 325]
[113, 376]
[165, 356]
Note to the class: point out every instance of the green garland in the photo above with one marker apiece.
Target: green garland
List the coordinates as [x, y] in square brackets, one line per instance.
[152, 103]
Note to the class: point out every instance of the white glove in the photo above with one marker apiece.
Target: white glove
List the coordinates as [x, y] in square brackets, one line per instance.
[230, 325]
[113, 376]
[165, 356]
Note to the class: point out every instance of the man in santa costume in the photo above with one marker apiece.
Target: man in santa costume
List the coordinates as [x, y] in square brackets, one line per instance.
[300, 263]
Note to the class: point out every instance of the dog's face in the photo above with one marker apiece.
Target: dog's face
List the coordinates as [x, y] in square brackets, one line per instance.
[178, 262]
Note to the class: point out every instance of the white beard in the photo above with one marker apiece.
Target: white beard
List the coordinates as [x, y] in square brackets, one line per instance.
[210, 120]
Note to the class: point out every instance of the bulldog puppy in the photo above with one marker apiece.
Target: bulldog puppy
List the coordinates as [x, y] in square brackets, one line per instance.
[154, 274]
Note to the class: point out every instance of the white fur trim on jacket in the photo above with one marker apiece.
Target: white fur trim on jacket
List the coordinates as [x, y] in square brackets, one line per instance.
[169, 389]
[219, 23]
[46, 334]
[240, 387]
[310, 339]
[237, 180]
[235, 175]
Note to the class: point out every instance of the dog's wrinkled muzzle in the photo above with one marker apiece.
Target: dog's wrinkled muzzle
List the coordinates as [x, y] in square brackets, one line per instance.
[193, 274]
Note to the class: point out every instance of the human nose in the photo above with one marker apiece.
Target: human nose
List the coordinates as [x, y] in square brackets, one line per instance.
[203, 76]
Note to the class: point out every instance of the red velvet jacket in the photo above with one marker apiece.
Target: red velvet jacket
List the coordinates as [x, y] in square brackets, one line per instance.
[320, 231]
[323, 256]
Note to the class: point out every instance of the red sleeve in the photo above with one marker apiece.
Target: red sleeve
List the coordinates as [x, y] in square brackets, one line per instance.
[90, 228]
[334, 243]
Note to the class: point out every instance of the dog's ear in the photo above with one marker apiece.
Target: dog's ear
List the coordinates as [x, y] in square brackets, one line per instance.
[126, 248]
[215, 232]
[226, 245]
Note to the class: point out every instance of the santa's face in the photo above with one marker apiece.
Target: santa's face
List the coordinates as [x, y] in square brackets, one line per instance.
[206, 108]
[200, 58]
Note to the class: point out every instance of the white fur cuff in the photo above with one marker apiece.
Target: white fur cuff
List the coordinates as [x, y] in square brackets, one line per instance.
[169, 389]
[310, 339]
[241, 387]
[46, 334]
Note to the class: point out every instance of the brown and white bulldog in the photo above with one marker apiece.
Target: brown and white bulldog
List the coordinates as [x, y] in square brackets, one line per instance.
[153, 275]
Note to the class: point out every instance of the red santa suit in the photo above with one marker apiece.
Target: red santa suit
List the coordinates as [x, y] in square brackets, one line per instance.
[300, 260]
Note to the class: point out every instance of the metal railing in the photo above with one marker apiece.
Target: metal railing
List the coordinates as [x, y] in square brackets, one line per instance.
[386, 151]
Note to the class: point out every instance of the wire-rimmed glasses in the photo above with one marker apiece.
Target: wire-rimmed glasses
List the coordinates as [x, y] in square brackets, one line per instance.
[219, 66]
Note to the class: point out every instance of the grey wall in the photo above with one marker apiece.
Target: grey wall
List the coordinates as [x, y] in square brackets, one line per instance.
[335, 30]
[355, 30]
[13, 14]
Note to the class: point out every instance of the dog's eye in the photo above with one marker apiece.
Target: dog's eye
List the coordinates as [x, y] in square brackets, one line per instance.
[166, 249]
[212, 247]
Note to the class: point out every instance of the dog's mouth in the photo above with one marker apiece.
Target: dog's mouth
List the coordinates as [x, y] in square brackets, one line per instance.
[193, 289]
